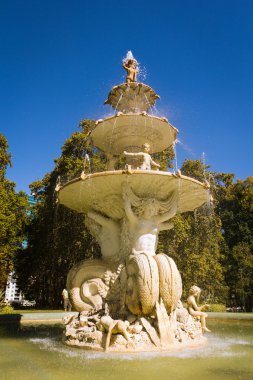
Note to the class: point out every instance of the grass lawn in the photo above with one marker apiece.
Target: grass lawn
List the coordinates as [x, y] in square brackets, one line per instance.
[26, 311]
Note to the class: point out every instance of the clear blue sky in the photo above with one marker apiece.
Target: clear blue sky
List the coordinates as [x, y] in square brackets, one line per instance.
[59, 60]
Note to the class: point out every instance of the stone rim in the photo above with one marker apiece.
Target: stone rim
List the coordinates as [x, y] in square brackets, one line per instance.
[115, 133]
[79, 194]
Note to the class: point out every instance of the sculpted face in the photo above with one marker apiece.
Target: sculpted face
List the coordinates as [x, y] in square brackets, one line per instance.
[149, 210]
[195, 290]
[146, 148]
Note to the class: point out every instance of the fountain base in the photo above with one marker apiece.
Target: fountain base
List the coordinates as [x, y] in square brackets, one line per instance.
[134, 334]
[191, 344]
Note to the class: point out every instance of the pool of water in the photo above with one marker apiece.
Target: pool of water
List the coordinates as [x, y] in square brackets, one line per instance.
[36, 352]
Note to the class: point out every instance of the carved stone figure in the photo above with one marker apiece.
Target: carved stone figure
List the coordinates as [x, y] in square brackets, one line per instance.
[145, 223]
[147, 159]
[107, 233]
[142, 289]
[194, 309]
[170, 282]
[131, 67]
[112, 326]
[85, 285]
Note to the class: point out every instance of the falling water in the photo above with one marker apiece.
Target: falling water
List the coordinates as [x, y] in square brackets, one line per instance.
[85, 162]
[154, 111]
[147, 100]
[116, 107]
[203, 159]
[58, 181]
[175, 156]
[209, 203]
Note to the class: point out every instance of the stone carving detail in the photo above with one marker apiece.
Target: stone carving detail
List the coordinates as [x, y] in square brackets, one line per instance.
[85, 285]
[194, 309]
[170, 283]
[164, 325]
[107, 233]
[147, 161]
[142, 284]
[132, 97]
[147, 220]
[101, 331]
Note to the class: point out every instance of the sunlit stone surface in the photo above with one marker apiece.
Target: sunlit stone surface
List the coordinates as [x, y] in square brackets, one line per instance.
[103, 191]
[118, 133]
[132, 97]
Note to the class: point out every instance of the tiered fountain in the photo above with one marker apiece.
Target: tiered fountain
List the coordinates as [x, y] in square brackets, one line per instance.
[129, 300]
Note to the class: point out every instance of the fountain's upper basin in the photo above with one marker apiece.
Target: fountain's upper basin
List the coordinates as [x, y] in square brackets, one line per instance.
[103, 191]
[132, 97]
[121, 132]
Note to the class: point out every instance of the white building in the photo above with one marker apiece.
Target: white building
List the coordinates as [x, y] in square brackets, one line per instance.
[12, 293]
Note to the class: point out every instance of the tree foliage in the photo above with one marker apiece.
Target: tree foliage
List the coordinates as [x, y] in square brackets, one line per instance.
[211, 246]
[195, 243]
[13, 207]
[57, 237]
[235, 208]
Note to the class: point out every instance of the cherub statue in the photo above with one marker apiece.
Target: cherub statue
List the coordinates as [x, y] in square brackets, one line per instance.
[147, 160]
[194, 309]
[150, 217]
[131, 66]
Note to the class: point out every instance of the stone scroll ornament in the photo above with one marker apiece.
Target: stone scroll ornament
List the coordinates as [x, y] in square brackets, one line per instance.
[86, 286]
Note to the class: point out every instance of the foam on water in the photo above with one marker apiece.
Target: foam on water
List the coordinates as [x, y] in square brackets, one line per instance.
[216, 347]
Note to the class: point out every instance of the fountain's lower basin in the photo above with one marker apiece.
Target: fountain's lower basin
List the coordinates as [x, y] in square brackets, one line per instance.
[36, 352]
[103, 191]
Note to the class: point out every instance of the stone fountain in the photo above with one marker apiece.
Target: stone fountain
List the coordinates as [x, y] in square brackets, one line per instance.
[129, 300]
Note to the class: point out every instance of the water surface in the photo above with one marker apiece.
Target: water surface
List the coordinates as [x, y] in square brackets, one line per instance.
[36, 352]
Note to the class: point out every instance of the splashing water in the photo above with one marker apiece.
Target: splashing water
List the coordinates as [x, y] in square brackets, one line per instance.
[130, 56]
[186, 148]
[142, 71]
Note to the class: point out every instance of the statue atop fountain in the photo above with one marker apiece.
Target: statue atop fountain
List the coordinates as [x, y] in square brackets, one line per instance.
[131, 66]
[129, 300]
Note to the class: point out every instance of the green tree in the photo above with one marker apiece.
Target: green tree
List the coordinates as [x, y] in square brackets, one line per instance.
[57, 237]
[13, 208]
[235, 208]
[196, 243]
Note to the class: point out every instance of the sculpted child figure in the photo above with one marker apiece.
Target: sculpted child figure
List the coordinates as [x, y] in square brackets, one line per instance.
[147, 159]
[131, 67]
[194, 309]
